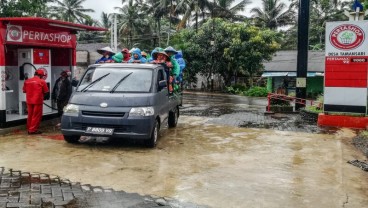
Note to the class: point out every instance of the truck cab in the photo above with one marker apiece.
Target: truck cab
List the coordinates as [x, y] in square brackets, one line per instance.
[121, 101]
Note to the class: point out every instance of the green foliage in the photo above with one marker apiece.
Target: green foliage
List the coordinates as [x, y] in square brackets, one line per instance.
[321, 11]
[313, 109]
[257, 92]
[23, 8]
[273, 14]
[236, 89]
[364, 134]
[238, 48]
[317, 107]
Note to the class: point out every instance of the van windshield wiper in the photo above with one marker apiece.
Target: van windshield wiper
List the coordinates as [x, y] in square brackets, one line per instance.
[120, 81]
[94, 82]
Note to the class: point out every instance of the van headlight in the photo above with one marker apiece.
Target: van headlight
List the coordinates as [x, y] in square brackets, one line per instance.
[71, 109]
[142, 111]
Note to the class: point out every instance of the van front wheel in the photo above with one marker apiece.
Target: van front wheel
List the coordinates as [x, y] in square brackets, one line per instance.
[152, 141]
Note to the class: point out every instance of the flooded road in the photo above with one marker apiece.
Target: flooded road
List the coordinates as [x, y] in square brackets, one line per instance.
[207, 164]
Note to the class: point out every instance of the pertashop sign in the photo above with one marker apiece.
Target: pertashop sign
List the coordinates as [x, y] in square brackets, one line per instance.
[29, 35]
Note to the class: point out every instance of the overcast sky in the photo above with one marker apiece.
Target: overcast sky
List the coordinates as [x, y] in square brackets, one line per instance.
[109, 7]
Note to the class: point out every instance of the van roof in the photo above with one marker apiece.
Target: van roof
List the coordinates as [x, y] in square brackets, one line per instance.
[127, 65]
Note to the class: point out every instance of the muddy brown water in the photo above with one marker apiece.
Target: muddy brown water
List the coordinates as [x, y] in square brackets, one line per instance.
[208, 164]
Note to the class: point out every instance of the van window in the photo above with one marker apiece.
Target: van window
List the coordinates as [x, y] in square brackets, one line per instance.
[160, 75]
[117, 80]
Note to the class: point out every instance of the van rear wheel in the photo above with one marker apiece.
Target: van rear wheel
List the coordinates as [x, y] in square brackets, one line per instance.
[173, 118]
[152, 141]
[71, 139]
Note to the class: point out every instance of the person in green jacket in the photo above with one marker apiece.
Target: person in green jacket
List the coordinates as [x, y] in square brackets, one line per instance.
[118, 58]
[176, 67]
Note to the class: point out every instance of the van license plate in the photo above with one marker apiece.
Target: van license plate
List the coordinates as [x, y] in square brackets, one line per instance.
[97, 130]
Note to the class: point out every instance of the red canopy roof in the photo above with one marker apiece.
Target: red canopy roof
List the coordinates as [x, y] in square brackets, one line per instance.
[49, 24]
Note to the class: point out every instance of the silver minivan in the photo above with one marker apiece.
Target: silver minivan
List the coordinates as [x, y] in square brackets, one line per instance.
[121, 101]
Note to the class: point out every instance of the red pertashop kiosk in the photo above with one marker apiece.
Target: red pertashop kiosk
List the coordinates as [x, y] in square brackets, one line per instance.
[27, 44]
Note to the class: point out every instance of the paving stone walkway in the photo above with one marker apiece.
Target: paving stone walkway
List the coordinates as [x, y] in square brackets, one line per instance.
[37, 190]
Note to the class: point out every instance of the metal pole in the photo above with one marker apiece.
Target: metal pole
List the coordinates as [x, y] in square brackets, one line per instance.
[115, 35]
[112, 35]
[302, 61]
[212, 45]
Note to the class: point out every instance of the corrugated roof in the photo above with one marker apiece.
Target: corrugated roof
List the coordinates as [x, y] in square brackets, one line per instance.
[91, 46]
[286, 61]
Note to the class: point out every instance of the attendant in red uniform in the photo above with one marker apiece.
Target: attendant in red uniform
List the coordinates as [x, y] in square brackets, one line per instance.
[35, 89]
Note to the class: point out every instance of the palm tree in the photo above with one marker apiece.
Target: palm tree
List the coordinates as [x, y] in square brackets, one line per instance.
[186, 7]
[273, 14]
[322, 11]
[70, 10]
[105, 20]
[132, 21]
[226, 10]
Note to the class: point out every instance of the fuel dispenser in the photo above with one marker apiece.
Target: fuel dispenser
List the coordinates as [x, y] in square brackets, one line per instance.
[28, 44]
[29, 61]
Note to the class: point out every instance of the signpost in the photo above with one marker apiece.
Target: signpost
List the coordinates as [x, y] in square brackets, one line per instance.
[302, 61]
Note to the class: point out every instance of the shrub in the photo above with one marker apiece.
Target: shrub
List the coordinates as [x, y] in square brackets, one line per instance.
[313, 109]
[317, 107]
[364, 134]
[257, 92]
[236, 89]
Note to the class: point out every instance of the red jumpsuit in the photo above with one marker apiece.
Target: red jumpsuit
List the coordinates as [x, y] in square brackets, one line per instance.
[35, 89]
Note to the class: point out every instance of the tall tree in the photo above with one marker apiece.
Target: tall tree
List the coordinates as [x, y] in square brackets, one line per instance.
[187, 7]
[132, 21]
[24, 8]
[71, 10]
[273, 14]
[227, 10]
[321, 11]
[238, 49]
[90, 36]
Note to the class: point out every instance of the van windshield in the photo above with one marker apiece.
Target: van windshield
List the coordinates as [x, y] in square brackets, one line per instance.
[115, 80]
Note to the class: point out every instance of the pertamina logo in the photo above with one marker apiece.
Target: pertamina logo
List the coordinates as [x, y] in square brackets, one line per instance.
[14, 33]
[347, 37]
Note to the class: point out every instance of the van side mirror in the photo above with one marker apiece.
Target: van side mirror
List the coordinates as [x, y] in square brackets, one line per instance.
[162, 84]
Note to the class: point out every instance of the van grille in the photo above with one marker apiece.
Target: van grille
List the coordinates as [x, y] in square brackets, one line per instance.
[103, 114]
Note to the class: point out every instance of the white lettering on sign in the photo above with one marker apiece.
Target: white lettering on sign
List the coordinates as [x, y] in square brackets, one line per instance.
[48, 37]
[352, 28]
[352, 53]
[26, 34]
[337, 59]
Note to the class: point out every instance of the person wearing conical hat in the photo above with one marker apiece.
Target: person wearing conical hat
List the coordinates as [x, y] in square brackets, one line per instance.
[154, 51]
[160, 57]
[171, 52]
[175, 72]
[106, 53]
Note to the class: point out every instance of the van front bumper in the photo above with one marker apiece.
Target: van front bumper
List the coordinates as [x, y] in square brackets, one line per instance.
[128, 127]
